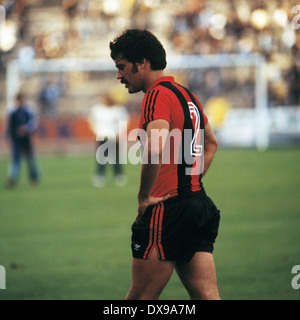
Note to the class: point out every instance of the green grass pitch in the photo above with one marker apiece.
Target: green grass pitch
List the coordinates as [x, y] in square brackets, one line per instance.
[65, 239]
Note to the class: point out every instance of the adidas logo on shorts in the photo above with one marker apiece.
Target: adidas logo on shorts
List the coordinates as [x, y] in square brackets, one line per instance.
[136, 246]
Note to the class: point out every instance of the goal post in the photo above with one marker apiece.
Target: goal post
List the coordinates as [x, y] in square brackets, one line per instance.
[259, 112]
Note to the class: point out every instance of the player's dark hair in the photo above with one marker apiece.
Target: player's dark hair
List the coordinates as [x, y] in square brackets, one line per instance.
[136, 45]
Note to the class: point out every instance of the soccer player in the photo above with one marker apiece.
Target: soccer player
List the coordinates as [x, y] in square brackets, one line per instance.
[177, 223]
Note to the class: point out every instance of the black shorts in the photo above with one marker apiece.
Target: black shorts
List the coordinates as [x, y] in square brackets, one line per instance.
[177, 228]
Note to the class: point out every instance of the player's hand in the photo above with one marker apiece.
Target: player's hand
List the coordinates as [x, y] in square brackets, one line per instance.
[143, 204]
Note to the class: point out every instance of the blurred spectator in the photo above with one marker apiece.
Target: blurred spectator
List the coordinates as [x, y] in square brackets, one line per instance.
[294, 86]
[20, 127]
[104, 120]
[26, 58]
[49, 97]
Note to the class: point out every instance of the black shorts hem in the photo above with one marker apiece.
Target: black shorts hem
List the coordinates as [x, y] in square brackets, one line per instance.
[205, 247]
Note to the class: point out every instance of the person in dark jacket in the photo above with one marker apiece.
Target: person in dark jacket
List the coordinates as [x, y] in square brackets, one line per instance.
[21, 125]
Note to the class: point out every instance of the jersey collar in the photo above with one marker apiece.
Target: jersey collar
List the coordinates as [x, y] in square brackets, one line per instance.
[162, 79]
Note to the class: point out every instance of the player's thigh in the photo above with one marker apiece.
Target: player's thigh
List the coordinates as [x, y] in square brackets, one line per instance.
[199, 276]
[149, 277]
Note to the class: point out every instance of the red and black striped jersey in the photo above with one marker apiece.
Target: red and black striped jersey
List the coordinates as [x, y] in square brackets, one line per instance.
[182, 161]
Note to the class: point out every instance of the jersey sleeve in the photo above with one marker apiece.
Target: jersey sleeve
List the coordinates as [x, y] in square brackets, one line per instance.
[156, 105]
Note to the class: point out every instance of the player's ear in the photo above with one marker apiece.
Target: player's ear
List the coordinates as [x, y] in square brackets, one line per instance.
[145, 63]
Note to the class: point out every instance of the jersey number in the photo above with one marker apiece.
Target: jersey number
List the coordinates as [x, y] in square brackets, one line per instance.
[196, 147]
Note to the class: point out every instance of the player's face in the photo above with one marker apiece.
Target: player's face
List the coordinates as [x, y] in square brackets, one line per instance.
[129, 74]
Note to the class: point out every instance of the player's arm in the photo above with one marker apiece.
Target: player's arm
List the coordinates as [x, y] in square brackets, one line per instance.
[210, 147]
[150, 170]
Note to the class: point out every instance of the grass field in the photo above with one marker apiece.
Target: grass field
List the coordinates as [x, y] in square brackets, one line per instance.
[65, 239]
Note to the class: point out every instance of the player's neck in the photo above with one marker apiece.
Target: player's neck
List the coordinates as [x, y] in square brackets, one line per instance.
[152, 76]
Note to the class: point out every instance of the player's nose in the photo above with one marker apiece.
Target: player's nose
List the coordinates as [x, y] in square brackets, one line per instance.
[119, 76]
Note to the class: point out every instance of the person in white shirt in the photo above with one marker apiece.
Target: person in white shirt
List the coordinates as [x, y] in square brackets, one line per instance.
[106, 119]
